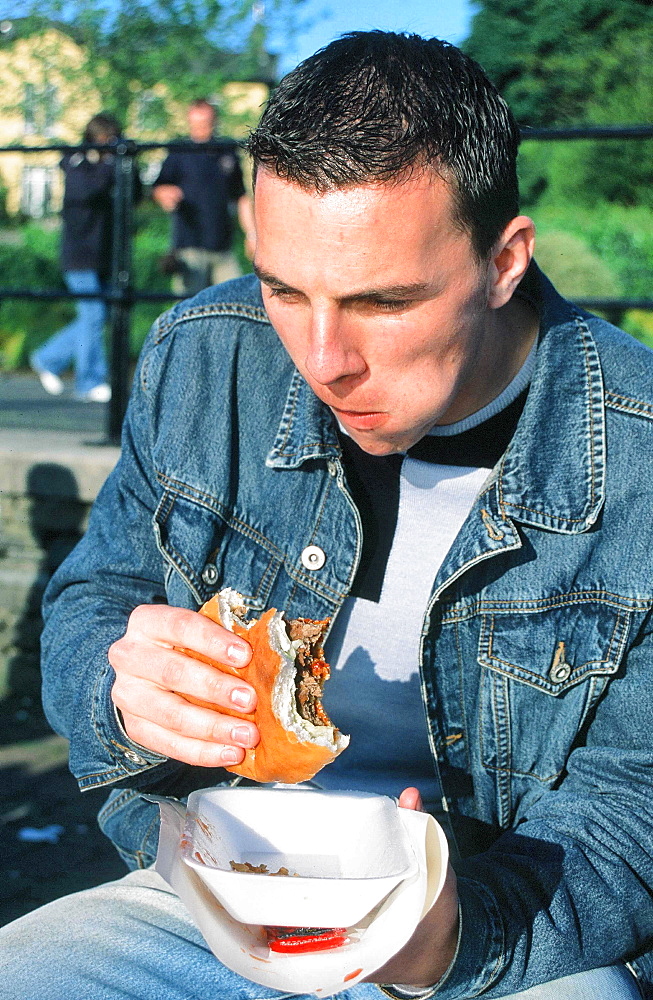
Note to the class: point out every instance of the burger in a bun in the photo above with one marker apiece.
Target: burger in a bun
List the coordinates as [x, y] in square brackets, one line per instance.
[288, 671]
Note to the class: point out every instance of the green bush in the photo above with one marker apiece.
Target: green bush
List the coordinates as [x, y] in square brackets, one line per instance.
[618, 238]
[575, 270]
[28, 259]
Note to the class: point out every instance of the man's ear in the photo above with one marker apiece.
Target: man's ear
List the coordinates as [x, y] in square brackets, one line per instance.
[510, 257]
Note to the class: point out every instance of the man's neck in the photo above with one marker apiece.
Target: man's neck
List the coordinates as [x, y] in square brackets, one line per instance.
[510, 334]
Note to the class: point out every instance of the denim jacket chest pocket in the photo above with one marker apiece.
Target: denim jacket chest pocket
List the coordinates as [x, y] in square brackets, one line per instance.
[207, 547]
[544, 668]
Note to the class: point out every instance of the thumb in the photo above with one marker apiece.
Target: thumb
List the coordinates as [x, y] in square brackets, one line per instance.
[410, 798]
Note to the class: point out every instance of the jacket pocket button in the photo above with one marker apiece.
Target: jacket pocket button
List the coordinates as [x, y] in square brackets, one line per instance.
[560, 672]
[210, 574]
[313, 557]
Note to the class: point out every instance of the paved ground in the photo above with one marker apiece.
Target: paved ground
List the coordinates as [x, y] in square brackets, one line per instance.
[36, 789]
[25, 404]
[38, 792]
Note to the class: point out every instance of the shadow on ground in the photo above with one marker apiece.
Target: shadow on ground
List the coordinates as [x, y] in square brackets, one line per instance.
[37, 791]
[36, 788]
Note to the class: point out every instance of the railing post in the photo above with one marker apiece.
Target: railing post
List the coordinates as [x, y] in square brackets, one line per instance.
[121, 287]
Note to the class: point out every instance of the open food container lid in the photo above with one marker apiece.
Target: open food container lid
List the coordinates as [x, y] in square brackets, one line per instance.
[243, 946]
[296, 857]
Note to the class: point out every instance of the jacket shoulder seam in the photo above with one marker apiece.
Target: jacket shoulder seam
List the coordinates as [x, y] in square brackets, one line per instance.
[168, 321]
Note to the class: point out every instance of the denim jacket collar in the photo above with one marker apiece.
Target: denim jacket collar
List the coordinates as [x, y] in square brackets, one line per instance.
[307, 429]
[536, 482]
[540, 482]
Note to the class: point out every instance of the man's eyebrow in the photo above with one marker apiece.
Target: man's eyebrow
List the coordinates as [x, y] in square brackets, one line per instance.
[267, 277]
[415, 288]
[391, 291]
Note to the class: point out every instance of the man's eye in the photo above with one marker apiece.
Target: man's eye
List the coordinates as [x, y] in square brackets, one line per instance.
[391, 305]
[280, 293]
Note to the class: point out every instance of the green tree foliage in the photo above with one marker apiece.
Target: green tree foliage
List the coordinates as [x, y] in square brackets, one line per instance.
[579, 62]
[555, 62]
[194, 46]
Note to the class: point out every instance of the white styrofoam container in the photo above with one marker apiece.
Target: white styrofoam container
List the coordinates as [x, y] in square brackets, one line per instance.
[344, 851]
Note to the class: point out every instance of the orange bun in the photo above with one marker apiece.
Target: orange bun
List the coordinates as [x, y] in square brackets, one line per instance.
[290, 752]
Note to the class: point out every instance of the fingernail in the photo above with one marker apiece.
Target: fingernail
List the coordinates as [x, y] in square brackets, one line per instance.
[238, 655]
[230, 756]
[242, 735]
[241, 697]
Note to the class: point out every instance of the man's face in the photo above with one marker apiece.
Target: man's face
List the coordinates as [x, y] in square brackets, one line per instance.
[201, 123]
[380, 302]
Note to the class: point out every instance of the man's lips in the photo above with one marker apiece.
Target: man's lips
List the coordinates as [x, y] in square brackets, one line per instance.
[361, 420]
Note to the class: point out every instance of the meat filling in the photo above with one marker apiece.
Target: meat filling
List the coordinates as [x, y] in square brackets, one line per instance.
[312, 668]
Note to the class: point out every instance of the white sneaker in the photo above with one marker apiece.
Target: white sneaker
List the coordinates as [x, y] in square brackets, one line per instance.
[51, 383]
[99, 393]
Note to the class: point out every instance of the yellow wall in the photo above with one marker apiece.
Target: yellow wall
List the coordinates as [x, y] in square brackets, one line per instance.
[52, 59]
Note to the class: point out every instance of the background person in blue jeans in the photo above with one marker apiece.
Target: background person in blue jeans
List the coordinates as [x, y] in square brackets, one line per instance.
[86, 262]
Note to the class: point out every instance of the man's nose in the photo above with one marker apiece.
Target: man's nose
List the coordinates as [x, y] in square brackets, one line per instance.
[332, 353]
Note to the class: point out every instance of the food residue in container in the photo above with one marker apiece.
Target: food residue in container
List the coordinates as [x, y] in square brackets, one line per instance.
[246, 866]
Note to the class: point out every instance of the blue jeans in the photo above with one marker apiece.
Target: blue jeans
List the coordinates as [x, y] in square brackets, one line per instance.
[81, 342]
[133, 940]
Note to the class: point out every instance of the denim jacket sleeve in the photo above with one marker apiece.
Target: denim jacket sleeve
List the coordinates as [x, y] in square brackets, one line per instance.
[570, 888]
[113, 569]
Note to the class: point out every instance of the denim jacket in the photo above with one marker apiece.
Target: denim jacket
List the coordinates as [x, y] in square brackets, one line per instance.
[536, 668]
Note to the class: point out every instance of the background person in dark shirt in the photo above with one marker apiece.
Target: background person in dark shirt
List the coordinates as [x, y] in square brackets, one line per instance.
[86, 262]
[199, 189]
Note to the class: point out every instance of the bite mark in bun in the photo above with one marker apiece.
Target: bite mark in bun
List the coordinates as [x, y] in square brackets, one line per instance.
[288, 672]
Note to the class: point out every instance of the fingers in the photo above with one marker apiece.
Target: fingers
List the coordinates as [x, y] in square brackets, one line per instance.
[179, 746]
[172, 670]
[178, 627]
[152, 677]
[411, 798]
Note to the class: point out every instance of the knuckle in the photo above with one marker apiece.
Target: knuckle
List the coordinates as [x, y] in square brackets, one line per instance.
[172, 672]
[216, 685]
[121, 692]
[183, 624]
[216, 729]
[121, 653]
[117, 694]
[173, 747]
[172, 718]
[115, 652]
[135, 620]
[136, 730]
[209, 755]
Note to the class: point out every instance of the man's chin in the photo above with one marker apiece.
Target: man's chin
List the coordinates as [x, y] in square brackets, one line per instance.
[378, 445]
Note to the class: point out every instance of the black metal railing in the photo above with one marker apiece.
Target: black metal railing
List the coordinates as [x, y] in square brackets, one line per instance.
[121, 296]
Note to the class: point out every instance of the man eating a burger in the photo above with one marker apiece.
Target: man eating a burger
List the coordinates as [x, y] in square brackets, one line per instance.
[397, 424]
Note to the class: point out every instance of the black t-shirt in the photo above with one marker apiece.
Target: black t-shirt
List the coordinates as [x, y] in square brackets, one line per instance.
[374, 483]
[210, 181]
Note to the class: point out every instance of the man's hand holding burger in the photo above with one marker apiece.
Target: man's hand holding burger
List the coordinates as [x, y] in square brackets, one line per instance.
[152, 676]
[219, 689]
[161, 674]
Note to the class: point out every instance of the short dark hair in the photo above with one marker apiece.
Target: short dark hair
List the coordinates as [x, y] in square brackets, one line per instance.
[374, 105]
[101, 126]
